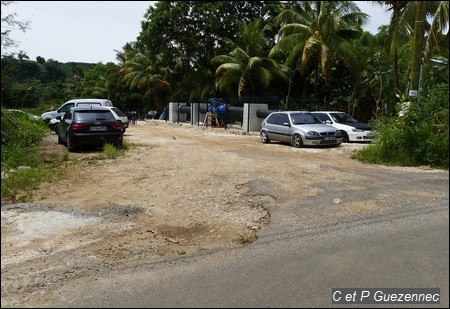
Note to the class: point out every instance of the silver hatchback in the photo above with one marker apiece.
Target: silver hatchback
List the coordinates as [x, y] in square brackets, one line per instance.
[298, 128]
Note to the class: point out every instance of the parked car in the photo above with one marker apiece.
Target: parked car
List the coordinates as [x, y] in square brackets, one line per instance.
[152, 115]
[89, 126]
[298, 128]
[352, 130]
[22, 113]
[53, 124]
[118, 114]
[47, 116]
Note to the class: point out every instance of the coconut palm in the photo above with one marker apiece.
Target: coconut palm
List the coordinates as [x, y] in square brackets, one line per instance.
[142, 74]
[437, 39]
[411, 23]
[399, 33]
[312, 32]
[245, 69]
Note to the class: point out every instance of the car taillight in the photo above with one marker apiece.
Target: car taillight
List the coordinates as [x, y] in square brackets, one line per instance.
[77, 127]
[116, 126]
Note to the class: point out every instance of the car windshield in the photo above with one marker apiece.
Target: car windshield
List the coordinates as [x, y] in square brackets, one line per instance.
[90, 115]
[304, 118]
[118, 112]
[342, 118]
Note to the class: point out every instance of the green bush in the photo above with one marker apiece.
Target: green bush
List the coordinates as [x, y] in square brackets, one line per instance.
[22, 167]
[420, 137]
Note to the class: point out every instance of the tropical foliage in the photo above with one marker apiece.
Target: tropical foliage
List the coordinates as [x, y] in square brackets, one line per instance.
[194, 50]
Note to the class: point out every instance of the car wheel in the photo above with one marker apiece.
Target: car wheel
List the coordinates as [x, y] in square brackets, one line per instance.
[297, 141]
[60, 140]
[264, 137]
[69, 143]
[345, 138]
[119, 144]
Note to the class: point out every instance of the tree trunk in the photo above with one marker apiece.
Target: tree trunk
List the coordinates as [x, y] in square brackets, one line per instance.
[417, 52]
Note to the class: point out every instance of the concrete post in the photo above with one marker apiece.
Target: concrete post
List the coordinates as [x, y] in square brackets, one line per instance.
[250, 121]
[174, 114]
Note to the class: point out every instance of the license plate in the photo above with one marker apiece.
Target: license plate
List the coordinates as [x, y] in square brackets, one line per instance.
[100, 128]
[329, 138]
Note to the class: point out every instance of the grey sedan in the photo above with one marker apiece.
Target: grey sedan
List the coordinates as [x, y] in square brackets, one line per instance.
[298, 128]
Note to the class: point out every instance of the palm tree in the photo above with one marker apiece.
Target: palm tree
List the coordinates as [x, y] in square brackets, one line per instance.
[245, 68]
[437, 39]
[417, 50]
[409, 27]
[312, 32]
[399, 32]
[142, 74]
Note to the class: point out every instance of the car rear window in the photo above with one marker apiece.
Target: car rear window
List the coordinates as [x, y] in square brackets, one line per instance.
[91, 115]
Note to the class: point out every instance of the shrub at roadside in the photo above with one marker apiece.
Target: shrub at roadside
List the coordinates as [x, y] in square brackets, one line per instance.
[420, 137]
[22, 167]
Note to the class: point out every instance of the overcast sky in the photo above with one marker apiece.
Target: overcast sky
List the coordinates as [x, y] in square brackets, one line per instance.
[91, 31]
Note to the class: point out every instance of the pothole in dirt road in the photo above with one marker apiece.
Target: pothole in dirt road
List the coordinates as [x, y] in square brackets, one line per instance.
[37, 222]
[43, 224]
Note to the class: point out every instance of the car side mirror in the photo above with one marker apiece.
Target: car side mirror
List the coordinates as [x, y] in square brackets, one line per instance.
[287, 124]
[327, 122]
[58, 117]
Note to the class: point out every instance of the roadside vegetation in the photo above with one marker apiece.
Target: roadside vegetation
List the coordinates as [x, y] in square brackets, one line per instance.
[293, 55]
[23, 167]
[420, 137]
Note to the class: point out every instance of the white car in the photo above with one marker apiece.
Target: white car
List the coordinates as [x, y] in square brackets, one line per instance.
[74, 103]
[18, 111]
[119, 115]
[351, 129]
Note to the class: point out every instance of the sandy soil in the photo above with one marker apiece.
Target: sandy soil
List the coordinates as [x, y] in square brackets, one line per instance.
[179, 189]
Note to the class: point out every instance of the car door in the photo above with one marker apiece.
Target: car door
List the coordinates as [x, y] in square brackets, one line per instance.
[65, 107]
[269, 126]
[64, 124]
[283, 128]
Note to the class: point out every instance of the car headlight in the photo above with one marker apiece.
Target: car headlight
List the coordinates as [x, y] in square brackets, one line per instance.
[357, 130]
[312, 133]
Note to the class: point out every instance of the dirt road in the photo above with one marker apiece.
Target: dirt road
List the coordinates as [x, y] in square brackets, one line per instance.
[178, 190]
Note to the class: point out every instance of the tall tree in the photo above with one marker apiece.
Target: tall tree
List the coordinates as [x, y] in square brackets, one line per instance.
[437, 37]
[10, 23]
[142, 74]
[245, 67]
[418, 47]
[188, 34]
[312, 32]
[399, 33]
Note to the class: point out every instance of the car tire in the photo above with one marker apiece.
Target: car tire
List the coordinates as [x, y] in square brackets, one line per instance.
[69, 144]
[119, 144]
[264, 137]
[297, 141]
[345, 138]
[60, 140]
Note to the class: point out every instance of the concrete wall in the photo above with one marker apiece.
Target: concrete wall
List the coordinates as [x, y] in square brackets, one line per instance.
[174, 114]
[196, 116]
[250, 121]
